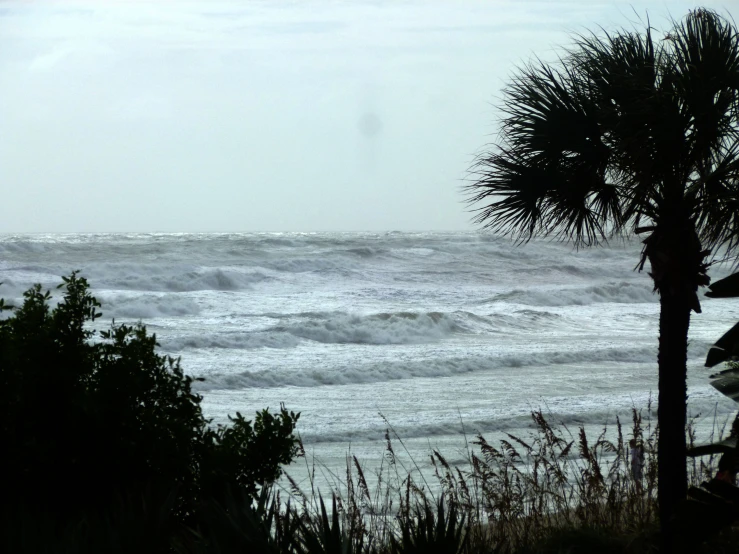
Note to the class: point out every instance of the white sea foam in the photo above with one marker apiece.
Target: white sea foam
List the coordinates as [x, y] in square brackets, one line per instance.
[272, 317]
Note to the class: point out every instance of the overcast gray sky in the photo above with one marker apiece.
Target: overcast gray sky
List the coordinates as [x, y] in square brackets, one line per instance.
[262, 115]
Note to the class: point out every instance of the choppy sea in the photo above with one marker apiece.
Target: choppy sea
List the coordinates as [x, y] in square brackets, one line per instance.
[444, 334]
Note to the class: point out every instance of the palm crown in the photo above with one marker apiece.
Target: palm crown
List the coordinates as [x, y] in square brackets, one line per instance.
[625, 130]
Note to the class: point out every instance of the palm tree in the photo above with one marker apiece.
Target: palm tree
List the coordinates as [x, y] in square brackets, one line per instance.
[629, 133]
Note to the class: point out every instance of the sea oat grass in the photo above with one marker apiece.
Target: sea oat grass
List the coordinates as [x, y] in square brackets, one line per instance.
[553, 490]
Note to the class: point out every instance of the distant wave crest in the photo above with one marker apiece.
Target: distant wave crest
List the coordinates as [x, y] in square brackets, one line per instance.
[206, 279]
[618, 292]
[148, 306]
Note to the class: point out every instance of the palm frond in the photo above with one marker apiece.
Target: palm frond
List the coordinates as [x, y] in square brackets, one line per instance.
[704, 77]
[626, 77]
[624, 129]
[715, 198]
[550, 173]
[579, 157]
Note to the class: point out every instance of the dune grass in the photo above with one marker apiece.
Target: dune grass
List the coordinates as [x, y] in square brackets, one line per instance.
[554, 490]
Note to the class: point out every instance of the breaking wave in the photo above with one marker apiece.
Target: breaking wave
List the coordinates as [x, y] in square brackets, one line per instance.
[231, 341]
[621, 292]
[330, 328]
[375, 372]
[383, 328]
[341, 328]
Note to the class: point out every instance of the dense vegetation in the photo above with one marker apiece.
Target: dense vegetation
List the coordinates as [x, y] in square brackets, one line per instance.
[96, 426]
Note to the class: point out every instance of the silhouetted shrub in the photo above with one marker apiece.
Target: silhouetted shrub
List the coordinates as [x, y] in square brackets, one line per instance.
[88, 418]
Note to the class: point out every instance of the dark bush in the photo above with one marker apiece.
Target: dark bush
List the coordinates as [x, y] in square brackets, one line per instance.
[88, 418]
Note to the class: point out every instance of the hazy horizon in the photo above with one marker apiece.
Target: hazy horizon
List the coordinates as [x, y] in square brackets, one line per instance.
[263, 116]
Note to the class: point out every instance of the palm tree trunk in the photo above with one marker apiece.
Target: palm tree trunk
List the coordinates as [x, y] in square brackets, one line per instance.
[671, 410]
[676, 256]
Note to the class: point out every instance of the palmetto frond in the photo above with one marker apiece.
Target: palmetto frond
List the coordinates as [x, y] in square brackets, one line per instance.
[572, 136]
[550, 173]
[715, 194]
[622, 131]
[704, 77]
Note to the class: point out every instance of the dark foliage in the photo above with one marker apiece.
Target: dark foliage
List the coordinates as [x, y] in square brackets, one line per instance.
[627, 126]
[428, 531]
[238, 523]
[90, 422]
[325, 534]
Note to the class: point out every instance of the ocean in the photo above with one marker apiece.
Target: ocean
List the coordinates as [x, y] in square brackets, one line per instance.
[440, 335]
